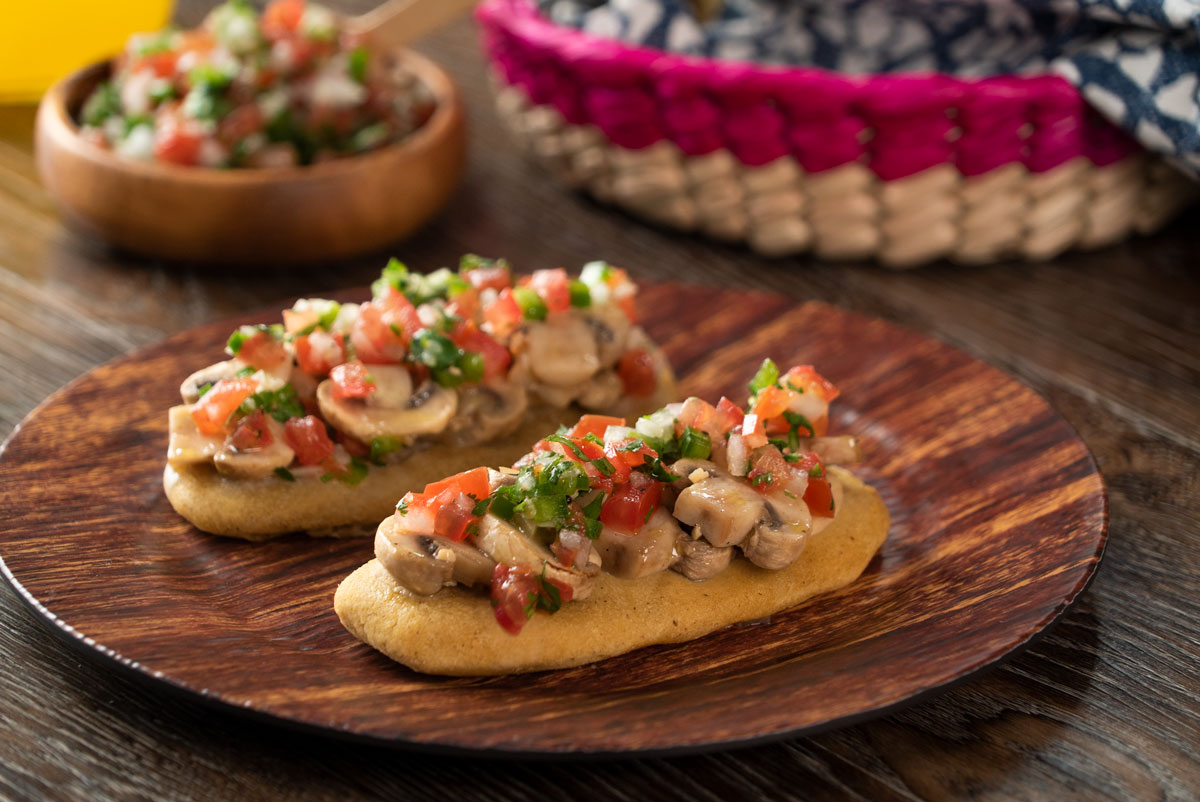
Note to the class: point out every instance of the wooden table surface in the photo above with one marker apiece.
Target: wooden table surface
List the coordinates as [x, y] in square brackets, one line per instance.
[1105, 706]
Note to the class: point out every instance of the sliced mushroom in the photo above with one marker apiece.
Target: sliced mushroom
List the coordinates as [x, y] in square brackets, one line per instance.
[553, 395]
[780, 536]
[190, 389]
[649, 551]
[186, 445]
[390, 411]
[255, 463]
[504, 543]
[835, 450]
[601, 391]
[487, 411]
[425, 563]
[722, 510]
[610, 328]
[698, 560]
[562, 350]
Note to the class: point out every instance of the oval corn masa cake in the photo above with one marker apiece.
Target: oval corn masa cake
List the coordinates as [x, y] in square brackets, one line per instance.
[455, 633]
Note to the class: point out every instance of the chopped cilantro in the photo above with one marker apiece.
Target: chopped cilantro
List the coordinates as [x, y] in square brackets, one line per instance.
[548, 596]
[481, 506]
[285, 474]
[761, 479]
[282, 404]
[382, 446]
[581, 296]
[104, 103]
[654, 468]
[401, 507]
[357, 64]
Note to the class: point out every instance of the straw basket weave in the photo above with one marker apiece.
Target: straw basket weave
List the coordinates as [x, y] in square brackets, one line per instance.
[905, 168]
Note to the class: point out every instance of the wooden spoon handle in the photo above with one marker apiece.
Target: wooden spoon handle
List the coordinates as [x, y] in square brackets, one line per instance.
[398, 22]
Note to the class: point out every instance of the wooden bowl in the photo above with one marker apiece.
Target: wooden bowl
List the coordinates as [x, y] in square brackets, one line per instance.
[278, 215]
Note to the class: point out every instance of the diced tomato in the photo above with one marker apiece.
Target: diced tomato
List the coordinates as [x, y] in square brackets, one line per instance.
[465, 304]
[453, 517]
[308, 438]
[417, 512]
[623, 452]
[175, 143]
[772, 402]
[251, 432]
[197, 40]
[212, 412]
[552, 286]
[698, 414]
[263, 351]
[474, 482]
[514, 591]
[161, 63]
[770, 471]
[630, 504]
[320, 352]
[504, 314]
[729, 415]
[351, 380]
[240, 123]
[637, 372]
[595, 424]
[281, 18]
[375, 342]
[496, 278]
[808, 460]
[496, 358]
[399, 314]
[753, 431]
[806, 378]
[819, 498]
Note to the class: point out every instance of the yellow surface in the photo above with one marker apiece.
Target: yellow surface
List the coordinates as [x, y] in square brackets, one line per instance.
[43, 40]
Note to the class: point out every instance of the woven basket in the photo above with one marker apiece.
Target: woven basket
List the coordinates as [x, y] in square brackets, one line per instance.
[905, 168]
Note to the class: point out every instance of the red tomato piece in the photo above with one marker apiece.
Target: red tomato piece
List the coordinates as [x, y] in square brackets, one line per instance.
[807, 378]
[595, 424]
[320, 352]
[503, 314]
[418, 513]
[514, 591]
[623, 452]
[281, 18]
[212, 412]
[496, 358]
[399, 314]
[309, 439]
[474, 482]
[630, 504]
[552, 286]
[251, 432]
[176, 144]
[698, 414]
[453, 517]
[637, 372]
[351, 380]
[294, 321]
[819, 498]
[729, 415]
[162, 63]
[496, 278]
[772, 402]
[263, 351]
[465, 304]
[770, 472]
[375, 342]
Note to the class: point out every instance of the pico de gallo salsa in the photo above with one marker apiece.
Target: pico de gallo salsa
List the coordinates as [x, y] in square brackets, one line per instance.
[282, 88]
[681, 489]
[455, 357]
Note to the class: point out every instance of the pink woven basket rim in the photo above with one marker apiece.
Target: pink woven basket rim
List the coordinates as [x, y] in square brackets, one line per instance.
[913, 108]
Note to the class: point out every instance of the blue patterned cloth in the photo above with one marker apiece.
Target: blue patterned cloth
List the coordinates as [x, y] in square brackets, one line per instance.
[1136, 61]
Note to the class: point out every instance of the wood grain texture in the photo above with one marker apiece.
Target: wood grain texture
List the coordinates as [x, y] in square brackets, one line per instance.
[998, 522]
[1105, 706]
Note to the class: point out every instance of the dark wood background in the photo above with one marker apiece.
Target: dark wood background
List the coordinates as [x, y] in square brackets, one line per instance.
[1105, 706]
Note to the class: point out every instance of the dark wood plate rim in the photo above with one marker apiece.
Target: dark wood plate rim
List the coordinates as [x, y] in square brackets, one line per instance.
[149, 678]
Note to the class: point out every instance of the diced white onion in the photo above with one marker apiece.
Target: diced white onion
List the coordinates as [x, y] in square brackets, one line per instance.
[615, 434]
[658, 425]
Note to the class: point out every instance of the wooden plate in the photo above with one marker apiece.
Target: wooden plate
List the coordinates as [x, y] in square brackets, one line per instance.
[999, 520]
